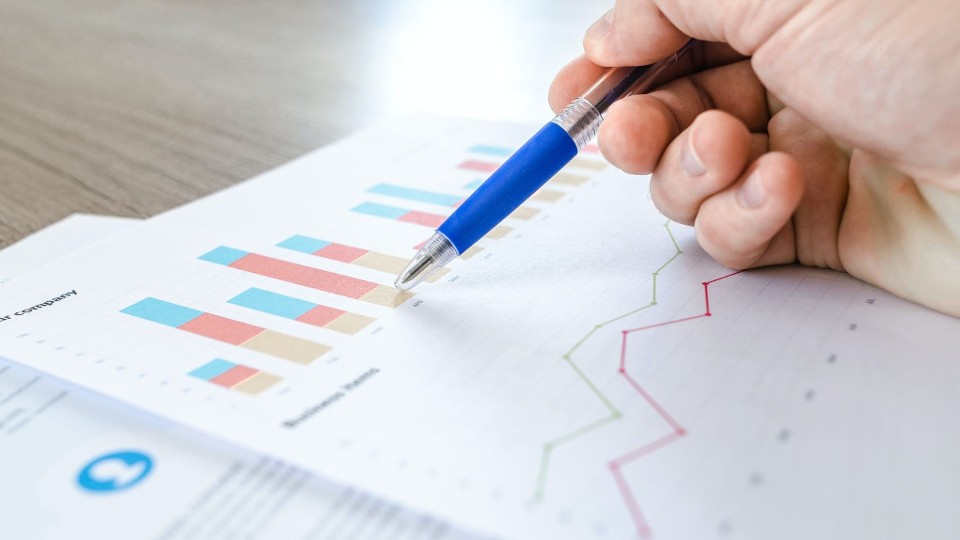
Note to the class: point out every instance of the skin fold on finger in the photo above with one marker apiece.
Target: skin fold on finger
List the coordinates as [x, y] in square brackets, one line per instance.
[733, 88]
[701, 57]
[704, 160]
[825, 169]
[741, 227]
[781, 249]
[579, 74]
[637, 32]
[638, 128]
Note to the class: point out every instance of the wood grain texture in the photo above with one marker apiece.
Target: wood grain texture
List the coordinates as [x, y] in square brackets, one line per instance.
[132, 108]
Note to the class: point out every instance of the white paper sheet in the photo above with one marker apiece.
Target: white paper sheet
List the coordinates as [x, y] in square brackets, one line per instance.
[589, 374]
[195, 487]
[65, 236]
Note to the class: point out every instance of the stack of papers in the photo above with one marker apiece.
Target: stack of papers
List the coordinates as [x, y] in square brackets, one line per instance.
[242, 366]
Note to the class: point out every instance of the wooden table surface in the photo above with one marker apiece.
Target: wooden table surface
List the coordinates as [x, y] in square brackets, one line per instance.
[132, 108]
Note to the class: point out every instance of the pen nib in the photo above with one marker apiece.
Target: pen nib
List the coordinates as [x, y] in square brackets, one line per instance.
[434, 255]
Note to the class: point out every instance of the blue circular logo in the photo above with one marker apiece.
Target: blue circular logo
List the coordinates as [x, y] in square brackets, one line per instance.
[115, 471]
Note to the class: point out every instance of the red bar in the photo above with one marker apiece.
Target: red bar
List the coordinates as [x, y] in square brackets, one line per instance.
[234, 376]
[307, 276]
[422, 218]
[221, 328]
[320, 315]
[340, 252]
[479, 166]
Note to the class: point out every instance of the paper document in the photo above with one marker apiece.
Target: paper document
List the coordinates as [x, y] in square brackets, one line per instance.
[585, 372]
[150, 477]
[65, 236]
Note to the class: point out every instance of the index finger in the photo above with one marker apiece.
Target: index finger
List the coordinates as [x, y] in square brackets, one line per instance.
[576, 77]
[639, 32]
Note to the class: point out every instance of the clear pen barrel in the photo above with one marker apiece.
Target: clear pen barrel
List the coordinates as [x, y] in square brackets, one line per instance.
[618, 82]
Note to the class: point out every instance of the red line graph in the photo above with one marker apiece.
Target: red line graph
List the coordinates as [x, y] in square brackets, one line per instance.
[677, 431]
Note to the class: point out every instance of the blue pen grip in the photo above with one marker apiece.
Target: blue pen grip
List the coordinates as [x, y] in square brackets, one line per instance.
[509, 186]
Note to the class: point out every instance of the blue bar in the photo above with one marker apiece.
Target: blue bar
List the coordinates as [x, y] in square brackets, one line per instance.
[162, 312]
[212, 369]
[272, 303]
[381, 210]
[304, 244]
[224, 255]
[416, 195]
[475, 184]
[491, 150]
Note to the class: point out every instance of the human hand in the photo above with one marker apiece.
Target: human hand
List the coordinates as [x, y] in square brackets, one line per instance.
[820, 132]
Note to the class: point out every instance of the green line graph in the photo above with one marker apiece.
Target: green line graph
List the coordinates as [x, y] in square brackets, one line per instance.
[613, 414]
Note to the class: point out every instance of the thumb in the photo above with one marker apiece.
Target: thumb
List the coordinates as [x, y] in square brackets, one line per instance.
[640, 32]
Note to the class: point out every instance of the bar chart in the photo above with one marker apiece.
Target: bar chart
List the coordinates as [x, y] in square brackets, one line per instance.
[547, 195]
[425, 206]
[307, 276]
[490, 150]
[344, 253]
[441, 199]
[419, 195]
[570, 179]
[236, 377]
[479, 166]
[303, 311]
[412, 204]
[488, 167]
[564, 177]
[404, 215]
[223, 329]
[420, 218]
[469, 253]
[483, 158]
[373, 260]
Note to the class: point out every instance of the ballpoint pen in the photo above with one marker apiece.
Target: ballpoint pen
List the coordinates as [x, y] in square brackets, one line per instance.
[536, 162]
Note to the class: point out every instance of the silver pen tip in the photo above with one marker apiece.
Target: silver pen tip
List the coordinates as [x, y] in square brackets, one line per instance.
[418, 270]
[434, 255]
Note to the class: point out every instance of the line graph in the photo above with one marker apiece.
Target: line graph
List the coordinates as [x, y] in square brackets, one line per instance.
[676, 429]
[613, 414]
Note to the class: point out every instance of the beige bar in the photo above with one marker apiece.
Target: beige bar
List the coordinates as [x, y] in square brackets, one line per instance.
[438, 275]
[291, 348]
[349, 323]
[499, 232]
[547, 195]
[386, 296]
[588, 164]
[524, 213]
[471, 252]
[256, 384]
[570, 179]
[382, 262]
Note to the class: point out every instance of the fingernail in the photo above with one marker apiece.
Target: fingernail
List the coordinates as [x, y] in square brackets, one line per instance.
[689, 160]
[599, 30]
[751, 194]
